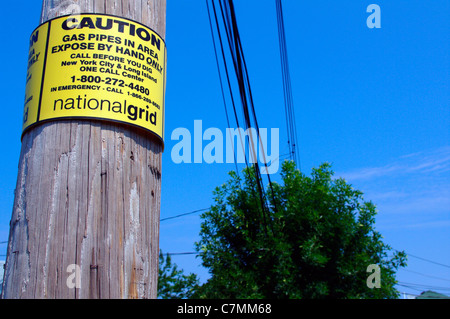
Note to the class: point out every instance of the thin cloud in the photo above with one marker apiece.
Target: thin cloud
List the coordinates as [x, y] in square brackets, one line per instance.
[436, 161]
[413, 190]
[432, 224]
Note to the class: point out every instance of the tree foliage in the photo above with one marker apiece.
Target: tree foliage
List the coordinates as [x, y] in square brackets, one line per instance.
[316, 241]
[172, 282]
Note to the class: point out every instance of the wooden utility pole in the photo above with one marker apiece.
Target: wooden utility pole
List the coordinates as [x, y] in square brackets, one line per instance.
[85, 221]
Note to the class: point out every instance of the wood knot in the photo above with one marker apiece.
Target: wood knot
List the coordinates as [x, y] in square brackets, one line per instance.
[155, 172]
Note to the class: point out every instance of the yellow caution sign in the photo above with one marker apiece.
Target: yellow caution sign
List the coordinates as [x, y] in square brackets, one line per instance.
[96, 66]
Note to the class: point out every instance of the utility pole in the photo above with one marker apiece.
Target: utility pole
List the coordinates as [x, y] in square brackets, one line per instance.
[85, 221]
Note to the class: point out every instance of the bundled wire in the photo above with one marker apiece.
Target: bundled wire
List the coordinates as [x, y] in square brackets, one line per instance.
[224, 28]
[287, 88]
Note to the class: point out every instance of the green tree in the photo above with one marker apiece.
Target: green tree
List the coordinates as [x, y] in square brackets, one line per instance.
[172, 282]
[315, 240]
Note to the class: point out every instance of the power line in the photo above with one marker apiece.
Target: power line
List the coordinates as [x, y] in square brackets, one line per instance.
[419, 286]
[221, 85]
[287, 87]
[421, 274]
[181, 254]
[185, 214]
[430, 261]
[228, 33]
[424, 259]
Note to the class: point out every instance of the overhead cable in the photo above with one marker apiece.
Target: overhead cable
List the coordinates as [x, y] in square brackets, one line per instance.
[287, 88]
[223, 18]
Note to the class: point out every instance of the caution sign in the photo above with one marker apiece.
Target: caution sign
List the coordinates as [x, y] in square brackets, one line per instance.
[96, 66]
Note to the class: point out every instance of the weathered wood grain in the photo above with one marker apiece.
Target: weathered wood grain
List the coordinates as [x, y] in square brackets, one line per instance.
[88, 194]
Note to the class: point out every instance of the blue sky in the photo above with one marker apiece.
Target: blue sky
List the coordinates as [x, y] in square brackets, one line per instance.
[373, 102]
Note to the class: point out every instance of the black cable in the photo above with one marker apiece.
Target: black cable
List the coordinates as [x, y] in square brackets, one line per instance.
[425, 275]
[236, 53]
[185, 214]
[221, 86]
[287, 87]
[430, 261]
[245, 93]
[181, 254]
[419, 286]
[424, 259]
